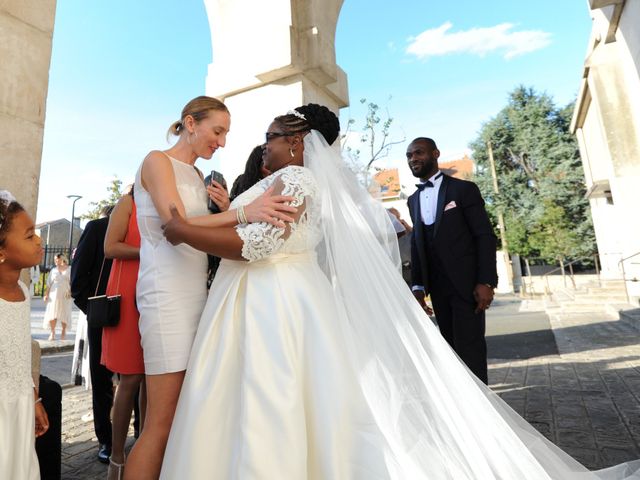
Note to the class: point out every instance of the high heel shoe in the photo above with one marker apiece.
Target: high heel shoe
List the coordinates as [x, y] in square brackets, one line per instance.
[115, 470]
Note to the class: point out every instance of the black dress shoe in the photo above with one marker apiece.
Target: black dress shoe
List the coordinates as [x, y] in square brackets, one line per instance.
[104, 452]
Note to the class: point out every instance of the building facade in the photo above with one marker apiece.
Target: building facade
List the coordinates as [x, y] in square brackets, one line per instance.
[606, 122]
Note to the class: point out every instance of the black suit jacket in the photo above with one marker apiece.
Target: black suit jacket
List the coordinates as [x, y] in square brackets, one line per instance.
[463, 240]
[87, 261]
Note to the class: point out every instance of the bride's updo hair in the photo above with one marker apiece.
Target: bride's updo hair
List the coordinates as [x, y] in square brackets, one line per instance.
[312, 117]
[199, 109]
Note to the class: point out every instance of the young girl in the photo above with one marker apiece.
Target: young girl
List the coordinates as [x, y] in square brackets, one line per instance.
[19, 402]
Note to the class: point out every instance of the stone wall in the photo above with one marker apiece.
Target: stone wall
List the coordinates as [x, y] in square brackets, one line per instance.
[26, 30]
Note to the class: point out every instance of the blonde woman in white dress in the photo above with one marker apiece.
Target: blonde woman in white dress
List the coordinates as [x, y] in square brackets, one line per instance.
[57, 297]
[172, 280]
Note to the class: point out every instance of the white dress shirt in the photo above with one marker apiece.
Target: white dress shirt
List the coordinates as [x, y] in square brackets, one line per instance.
[429, 206]
[429, 200]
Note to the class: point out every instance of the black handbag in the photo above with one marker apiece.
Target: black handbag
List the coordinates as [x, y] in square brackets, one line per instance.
[104, 310]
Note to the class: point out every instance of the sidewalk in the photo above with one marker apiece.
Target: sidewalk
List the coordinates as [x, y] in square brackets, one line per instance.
[585, 398]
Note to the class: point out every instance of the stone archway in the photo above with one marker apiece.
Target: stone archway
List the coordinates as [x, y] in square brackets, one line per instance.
[280, 56]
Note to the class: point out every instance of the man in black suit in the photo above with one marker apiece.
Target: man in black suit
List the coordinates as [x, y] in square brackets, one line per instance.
[453, 254]
[88, 261]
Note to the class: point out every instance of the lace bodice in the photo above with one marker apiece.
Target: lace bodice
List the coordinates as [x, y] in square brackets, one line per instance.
[261, 240]
[15, 347]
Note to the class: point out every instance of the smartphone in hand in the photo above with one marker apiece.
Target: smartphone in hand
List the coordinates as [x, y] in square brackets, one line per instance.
[216, 176]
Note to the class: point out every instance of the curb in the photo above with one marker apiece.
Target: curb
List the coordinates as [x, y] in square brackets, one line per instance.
[48, 349]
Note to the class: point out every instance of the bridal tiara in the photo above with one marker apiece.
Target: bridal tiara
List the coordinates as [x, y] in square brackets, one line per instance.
[297, 114]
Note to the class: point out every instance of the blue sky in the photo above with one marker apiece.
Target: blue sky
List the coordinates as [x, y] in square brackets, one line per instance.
[121, 72]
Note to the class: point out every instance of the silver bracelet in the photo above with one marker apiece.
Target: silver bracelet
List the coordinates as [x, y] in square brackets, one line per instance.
[38, 400]
[240, 216]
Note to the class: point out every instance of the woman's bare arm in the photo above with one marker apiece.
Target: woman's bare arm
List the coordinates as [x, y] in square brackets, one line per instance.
[273, 209]
[222, 242]
[159, 180]
[114, 246]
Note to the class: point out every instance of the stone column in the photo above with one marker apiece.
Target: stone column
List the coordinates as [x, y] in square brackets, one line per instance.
[26, 30]
[270, 57]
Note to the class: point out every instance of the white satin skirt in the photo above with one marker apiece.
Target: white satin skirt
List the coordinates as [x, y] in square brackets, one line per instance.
[268, 393]
[18, 458]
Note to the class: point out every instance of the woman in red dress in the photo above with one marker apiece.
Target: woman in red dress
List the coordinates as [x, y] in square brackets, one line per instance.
[121, 349]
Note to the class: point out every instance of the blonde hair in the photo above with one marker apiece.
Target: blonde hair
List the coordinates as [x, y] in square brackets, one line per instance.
[62, 258]
[198, 109]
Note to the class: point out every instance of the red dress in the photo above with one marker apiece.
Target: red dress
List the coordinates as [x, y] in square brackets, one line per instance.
[121, 349]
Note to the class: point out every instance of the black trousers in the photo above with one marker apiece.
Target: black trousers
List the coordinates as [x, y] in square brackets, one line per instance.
[461, 327]
[102, 387]
[48, 446]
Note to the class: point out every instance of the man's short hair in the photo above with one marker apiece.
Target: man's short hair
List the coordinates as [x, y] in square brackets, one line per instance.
[428, 141]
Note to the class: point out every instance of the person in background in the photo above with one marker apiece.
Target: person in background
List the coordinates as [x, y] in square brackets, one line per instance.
[404, 244]
[254, 171]
[121, 349]
[34, 274]
[89, 274]
[57, 297]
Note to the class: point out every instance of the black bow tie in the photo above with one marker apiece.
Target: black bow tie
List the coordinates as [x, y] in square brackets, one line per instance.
[428, 183]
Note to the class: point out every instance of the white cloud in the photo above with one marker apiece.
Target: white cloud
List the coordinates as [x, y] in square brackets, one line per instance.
[479, 41]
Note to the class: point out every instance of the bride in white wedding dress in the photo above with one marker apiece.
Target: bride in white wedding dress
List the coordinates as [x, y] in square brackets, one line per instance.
[312, 358]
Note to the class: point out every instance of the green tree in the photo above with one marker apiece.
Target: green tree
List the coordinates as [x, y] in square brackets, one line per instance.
[553, 235]
[540, 177]
[114, 192]
[375, 137]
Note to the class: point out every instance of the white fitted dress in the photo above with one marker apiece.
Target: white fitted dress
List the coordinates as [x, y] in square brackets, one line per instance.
[172, 281]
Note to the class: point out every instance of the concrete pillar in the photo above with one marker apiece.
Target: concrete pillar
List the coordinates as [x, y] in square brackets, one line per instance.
[26, 30]
[266, 62]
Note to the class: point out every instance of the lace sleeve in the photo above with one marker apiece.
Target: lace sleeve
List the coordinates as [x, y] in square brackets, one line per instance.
[261, 240]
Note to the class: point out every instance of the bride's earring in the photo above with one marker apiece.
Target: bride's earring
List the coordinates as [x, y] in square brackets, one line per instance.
[291, 153]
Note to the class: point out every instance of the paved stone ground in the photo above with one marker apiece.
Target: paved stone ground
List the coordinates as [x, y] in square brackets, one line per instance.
[586, 399]
[79, 444]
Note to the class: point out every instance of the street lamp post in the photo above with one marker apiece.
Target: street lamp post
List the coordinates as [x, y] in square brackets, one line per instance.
[73, 212]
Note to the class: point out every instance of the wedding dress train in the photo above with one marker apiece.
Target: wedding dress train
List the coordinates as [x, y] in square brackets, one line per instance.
[313, 360]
